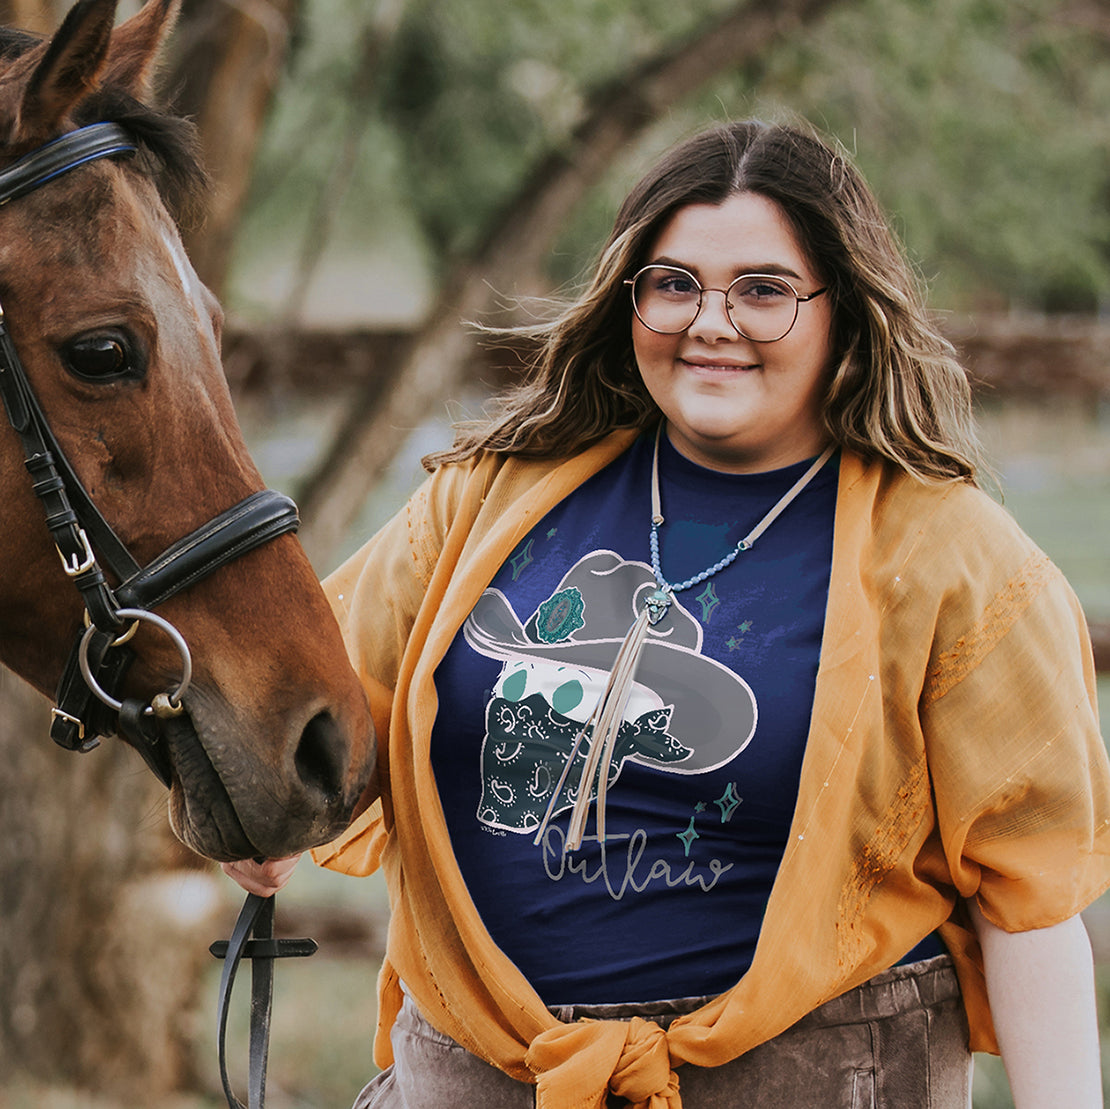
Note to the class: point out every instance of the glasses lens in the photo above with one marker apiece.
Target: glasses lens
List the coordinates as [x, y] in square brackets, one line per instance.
[762, 308]
[666, 299]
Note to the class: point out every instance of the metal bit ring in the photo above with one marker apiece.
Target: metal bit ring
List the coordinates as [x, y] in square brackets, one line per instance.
[169, 704]
[120, 640]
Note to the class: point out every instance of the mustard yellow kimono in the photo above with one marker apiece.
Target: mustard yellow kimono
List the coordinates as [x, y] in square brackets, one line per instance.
[954, 752]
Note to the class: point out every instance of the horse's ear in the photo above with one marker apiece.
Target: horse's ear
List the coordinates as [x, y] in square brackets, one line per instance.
[133, 53]
[64, 71]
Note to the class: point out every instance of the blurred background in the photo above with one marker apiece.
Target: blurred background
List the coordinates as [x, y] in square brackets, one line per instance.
[385, 171]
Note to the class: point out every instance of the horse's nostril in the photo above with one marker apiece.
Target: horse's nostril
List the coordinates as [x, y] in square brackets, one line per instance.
[322, 756]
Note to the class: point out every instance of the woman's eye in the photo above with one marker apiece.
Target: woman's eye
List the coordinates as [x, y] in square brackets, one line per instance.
[759, 290]
[103, 357]
[677, 286]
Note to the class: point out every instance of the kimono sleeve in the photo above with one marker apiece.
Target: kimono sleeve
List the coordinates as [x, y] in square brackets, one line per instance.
[1019, 768]
[376, 595]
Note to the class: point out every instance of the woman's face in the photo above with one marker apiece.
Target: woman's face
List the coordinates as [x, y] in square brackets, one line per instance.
[731, 403]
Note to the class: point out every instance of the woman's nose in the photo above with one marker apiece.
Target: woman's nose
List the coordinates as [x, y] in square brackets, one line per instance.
[713, 323]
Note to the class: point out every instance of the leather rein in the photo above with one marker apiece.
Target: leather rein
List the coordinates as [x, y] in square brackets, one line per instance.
[87, 705]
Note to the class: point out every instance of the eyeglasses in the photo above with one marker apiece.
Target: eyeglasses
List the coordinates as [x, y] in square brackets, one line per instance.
[762, 308]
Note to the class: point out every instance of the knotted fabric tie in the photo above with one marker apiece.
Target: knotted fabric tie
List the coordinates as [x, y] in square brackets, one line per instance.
[577, 1065]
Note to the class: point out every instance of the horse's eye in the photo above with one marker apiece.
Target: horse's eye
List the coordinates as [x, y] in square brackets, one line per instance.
[107, 356]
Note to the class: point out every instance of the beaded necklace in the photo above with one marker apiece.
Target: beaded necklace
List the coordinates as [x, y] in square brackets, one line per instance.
[604, 723]
[660, 600]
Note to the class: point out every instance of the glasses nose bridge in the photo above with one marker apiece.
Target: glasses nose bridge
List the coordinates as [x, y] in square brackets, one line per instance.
[726, 304]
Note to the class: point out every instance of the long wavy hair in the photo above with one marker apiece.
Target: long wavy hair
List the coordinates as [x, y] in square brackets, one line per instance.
[896, 391]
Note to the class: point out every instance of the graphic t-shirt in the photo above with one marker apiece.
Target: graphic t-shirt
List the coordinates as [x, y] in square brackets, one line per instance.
[704, 775]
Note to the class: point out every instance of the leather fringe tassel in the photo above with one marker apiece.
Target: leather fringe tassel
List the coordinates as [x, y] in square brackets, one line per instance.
[601, 729]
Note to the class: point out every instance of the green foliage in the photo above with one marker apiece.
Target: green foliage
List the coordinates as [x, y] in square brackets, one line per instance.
[478, 92]
[981, 124]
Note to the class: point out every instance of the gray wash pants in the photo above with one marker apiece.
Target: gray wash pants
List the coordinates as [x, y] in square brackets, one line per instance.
[899, 1041]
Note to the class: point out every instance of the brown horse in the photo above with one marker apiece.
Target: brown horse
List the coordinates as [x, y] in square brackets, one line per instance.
[269, 746]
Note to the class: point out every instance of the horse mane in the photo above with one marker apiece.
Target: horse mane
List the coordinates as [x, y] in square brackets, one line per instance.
[14, 42]
[168, 146]
[169, 150]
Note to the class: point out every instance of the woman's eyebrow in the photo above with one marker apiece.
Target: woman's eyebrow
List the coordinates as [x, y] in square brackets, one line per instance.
[772, 269]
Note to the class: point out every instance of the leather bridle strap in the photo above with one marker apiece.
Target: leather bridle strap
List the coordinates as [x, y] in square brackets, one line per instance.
[56, 483]
[253, 938]
[65, 499]
[259, 518]
[252, 522]
[58, 488]
[32, 171]
[84, 539]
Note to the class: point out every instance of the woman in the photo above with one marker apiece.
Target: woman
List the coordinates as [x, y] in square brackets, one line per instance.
[688, 796]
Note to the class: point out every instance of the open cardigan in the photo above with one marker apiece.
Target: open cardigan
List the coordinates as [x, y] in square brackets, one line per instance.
[954, 752]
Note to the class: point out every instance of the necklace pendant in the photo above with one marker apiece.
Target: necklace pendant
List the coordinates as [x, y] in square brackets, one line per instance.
[657, 603]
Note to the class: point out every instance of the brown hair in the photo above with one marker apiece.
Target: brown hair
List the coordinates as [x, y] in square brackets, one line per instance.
[896, 391]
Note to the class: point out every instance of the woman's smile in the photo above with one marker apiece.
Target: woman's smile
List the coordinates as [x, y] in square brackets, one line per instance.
[713, 365]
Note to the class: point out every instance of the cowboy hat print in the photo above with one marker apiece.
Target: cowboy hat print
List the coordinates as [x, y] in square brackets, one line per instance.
[687, 714]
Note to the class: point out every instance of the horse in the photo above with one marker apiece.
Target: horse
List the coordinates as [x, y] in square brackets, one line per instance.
[238, 690]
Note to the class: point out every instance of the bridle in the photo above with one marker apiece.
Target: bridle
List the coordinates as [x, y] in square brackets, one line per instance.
[87, 706]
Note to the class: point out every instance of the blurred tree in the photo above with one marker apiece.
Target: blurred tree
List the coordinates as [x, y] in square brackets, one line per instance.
[99, 976]
[356, 105]
[31, 15]
[226, 65]
[983, 125]
[981, 122]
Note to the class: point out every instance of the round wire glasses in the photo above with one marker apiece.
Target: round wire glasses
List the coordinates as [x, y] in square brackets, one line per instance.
[761, 307]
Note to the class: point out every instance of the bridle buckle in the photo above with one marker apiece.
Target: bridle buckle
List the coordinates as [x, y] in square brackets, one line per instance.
[82, 561]
[57, 714]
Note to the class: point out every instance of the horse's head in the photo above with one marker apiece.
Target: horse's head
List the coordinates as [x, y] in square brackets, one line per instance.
[120, 344]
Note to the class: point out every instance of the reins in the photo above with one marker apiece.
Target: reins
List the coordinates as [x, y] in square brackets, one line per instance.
[253, 938]
[87, 703]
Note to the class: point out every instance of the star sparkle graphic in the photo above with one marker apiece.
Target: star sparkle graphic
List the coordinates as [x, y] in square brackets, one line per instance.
[708, 600]
[728, 802]
[688, 837]
[522, 559]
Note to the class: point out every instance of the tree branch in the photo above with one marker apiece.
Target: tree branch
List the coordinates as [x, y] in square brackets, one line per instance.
[228, 59]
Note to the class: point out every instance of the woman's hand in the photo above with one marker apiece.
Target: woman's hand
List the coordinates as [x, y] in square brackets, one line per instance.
[262, 878]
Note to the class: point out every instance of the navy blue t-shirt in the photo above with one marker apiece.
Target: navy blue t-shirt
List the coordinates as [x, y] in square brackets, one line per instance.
[706, 767]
